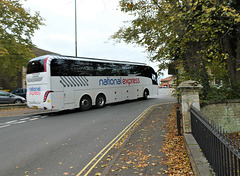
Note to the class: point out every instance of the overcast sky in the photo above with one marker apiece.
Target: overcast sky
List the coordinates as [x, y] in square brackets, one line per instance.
[97, 20]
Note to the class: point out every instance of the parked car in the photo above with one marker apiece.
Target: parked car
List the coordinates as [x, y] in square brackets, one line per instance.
[20, 92]
[8, 98]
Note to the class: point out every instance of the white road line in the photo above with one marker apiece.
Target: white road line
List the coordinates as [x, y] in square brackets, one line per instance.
[4, 126]
[25, 118]
[7, 124]
[33, 119]
[11, 122]
[20, 122]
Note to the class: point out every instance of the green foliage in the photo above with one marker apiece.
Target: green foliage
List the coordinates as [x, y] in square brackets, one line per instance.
[219, 94]
[17, 26]
[201, 35]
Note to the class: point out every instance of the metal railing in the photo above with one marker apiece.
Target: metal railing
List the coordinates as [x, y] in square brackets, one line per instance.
[221, 151]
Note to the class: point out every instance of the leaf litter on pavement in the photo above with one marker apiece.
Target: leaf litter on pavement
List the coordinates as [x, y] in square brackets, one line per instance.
[177, 158]
[144, 155]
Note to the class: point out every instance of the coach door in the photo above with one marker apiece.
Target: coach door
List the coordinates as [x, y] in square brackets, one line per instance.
[68, 91]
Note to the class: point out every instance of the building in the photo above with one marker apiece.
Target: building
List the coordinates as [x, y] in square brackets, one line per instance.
[168, 82]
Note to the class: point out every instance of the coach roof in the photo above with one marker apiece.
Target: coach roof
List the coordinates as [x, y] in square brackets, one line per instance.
[89, 59]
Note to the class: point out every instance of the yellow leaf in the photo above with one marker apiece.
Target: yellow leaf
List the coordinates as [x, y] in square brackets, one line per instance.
[129, 162]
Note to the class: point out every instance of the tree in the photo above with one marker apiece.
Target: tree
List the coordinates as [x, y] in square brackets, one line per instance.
[17, 26]
[195, 33]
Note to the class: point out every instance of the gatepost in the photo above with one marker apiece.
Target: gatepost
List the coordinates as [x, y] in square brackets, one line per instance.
[189, 97]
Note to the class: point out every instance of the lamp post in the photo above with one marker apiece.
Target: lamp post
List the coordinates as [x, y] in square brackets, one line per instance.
[76, 28]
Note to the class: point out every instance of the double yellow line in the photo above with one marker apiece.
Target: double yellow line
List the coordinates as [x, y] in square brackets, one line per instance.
[106, 149]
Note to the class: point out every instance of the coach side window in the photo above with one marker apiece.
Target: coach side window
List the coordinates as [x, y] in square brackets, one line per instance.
[81, 68]
[103, 69]
[57, 68]
[135, 70]
[123, 70]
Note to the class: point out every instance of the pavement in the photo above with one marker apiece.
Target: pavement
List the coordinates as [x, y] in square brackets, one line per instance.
[140, 152]
[15, 111]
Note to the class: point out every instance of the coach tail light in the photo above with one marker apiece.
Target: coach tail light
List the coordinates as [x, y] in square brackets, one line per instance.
[46, 95]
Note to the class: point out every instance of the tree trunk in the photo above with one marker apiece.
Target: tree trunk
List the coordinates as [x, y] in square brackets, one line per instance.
[238, 57]
[231, 64]
[196, 67]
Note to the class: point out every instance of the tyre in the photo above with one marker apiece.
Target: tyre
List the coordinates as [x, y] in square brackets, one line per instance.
[145, 94]
[17, 101]
[85, 103]
[100, 101]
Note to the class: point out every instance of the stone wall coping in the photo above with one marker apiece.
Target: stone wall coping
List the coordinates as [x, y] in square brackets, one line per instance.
[199, 163]
[190, 84]
[222, 102]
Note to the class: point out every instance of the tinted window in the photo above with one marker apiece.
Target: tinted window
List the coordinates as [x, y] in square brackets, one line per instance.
[35, 66]
[67, 67]
[61, 67]
[103, 69]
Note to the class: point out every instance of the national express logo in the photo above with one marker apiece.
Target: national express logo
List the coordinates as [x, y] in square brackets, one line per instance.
[118, 81]
[34, 90]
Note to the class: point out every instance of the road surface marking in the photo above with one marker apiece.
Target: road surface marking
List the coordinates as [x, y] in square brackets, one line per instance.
[11, 121]
[25, 118]
[4, 126]
[33, 119]
[14, 122]
[19, 122]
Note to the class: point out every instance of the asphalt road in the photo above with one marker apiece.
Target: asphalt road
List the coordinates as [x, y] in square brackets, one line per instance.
[63, 143]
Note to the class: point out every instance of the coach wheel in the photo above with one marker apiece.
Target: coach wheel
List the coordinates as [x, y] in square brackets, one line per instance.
[85, 103]
[145, 94]
[100, 101]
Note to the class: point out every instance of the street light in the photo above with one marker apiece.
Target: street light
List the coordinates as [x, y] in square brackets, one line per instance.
[76, 28]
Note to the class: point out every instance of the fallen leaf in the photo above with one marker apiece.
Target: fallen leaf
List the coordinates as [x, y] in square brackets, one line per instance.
[129, 162]
[174, 148]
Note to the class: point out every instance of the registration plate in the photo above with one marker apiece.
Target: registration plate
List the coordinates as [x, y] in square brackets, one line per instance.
[35, 107]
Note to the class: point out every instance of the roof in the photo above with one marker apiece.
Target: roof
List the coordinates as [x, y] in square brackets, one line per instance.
[89, 59]
[40, 52]
[167, 79]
